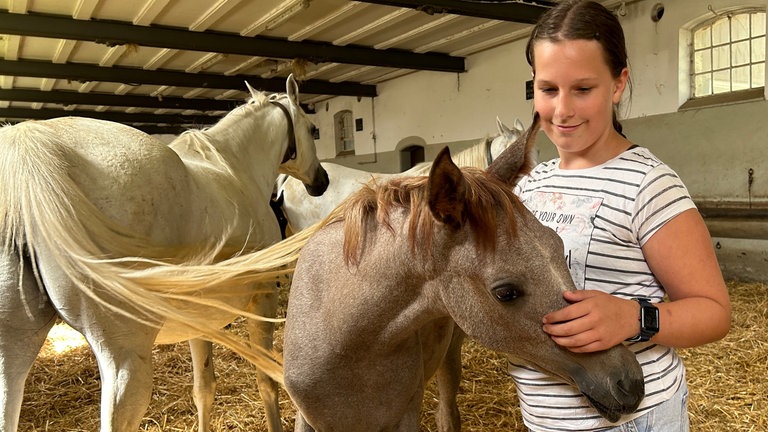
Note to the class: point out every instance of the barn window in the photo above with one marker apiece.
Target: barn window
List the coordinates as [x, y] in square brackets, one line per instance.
[345, 132]
[728, 56]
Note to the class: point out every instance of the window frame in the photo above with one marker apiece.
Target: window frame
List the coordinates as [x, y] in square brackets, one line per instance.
[731, 96]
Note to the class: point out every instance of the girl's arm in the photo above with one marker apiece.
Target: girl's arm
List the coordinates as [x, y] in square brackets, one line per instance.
[681, 256]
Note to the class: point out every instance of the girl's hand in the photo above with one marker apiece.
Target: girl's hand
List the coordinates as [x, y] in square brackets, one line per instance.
[594, 321]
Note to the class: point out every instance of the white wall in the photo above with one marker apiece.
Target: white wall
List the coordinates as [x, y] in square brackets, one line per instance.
[444, 107]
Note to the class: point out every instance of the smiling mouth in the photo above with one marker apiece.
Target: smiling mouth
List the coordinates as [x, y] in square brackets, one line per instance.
[567, 128]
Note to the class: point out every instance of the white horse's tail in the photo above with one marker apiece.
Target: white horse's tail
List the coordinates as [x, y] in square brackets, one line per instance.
[41, 207]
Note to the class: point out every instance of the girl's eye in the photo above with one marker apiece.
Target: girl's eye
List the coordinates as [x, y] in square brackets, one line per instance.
[548, 90]
[584, 89]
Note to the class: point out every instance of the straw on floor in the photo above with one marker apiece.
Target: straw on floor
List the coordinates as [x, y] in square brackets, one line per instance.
[728, 382]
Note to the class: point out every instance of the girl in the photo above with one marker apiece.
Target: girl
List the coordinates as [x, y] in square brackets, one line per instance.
[637, 248]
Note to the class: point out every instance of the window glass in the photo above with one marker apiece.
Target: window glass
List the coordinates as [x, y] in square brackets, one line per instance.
[703, 61]
[720, 32]
[758, 75]
[758, 24]
[740, 27]
[740, 53]
[758, 49]
[702, 38]
[721, 81]
[721, 57]
[740, 78]
[703, 85]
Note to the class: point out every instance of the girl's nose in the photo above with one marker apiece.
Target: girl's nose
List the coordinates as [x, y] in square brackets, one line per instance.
[564, 106]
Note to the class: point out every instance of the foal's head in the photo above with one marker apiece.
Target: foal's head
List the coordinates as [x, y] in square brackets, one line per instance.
[496, 268]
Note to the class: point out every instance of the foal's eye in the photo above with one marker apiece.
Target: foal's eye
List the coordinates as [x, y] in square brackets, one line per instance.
[507, 292]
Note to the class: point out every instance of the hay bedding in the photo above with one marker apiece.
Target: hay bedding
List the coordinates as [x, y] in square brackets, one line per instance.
[728, 381]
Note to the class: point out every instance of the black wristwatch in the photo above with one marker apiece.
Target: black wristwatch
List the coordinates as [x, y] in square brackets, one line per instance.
[649, 321]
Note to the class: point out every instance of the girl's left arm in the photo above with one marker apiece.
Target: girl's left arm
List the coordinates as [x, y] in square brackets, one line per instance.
[682, 258]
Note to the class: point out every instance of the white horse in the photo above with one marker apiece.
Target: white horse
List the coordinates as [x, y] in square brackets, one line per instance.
[302, 210]
[77, 190]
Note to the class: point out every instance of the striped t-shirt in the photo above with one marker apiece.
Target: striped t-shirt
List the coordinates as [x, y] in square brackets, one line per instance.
[604, 215]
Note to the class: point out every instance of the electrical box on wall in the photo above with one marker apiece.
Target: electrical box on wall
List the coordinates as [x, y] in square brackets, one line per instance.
[529, 90]
[358, 124]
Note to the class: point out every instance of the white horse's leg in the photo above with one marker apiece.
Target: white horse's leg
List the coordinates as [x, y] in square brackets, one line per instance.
[26, 316]
[204, 381]
[260, 334]
[448, 380]
[123, 350]
[122, 347]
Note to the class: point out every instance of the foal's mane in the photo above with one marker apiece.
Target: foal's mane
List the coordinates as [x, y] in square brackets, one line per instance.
[487, 200]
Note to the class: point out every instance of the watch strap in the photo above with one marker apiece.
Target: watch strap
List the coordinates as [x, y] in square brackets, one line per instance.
[647, 331]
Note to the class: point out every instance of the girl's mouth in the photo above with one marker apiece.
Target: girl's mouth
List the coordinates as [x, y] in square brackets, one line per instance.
[567, 128]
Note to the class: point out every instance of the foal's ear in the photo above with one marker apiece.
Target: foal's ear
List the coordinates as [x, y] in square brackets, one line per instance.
[515, 161]
[447, 190]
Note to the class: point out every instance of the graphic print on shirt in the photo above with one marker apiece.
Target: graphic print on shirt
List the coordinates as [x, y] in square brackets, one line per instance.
[572, 217]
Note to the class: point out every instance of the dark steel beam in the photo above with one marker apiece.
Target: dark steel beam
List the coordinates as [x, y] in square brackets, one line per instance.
[120, 117]
[88, 72]
[75, 98]
[67, 98]
[120, 33]
[515, 11]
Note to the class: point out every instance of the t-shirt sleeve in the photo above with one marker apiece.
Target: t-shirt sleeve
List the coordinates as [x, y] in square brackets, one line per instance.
[661, 196]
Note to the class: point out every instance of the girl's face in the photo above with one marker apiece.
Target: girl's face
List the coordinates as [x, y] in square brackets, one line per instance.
[574, 94]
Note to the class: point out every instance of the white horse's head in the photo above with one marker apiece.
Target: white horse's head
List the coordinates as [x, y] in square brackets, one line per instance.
[506, 137]
[300, 159]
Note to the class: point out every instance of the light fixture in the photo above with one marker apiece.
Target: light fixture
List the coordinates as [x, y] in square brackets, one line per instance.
[657, 11]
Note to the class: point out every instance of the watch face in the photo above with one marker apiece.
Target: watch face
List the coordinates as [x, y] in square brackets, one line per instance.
[650, 319]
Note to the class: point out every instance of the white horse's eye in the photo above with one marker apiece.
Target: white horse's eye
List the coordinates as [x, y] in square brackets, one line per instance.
[507, 292]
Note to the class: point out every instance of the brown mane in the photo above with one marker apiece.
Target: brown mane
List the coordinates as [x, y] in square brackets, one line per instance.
[488, 200]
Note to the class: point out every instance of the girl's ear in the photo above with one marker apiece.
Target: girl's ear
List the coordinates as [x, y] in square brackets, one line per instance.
[620, 84]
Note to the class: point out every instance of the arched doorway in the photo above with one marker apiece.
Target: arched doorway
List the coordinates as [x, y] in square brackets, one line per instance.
[411, 156]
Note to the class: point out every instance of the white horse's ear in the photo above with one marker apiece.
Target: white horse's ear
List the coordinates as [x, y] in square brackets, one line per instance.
[503, 129]
[292, 89]
[251, 89]
[516, 160]
[519, 125]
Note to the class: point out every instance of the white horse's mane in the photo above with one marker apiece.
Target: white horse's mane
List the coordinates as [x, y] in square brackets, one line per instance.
[200, 142]
[475, 156]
